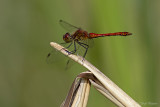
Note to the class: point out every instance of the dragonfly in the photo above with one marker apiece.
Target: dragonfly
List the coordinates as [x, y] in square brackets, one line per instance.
[81, 37]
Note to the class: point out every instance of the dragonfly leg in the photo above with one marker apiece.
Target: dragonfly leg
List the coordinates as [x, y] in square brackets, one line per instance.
[72, 52]
[69, 45]
[84, 46]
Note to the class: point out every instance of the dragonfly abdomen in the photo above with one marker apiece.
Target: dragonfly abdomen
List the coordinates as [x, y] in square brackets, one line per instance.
[94, 35]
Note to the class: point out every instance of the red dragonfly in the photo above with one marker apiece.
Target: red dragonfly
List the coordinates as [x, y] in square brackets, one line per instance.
[79, 36]
[82, 35]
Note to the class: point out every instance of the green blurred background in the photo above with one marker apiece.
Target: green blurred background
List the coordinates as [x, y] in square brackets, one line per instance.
[28, 26]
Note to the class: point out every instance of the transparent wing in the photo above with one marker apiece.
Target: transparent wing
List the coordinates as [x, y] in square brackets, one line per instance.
[89, 42]
[68, 26]
[56, 57]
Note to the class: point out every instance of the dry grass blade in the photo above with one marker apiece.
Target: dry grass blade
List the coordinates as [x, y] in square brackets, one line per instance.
[113, 89]
[106, 93]
[81, 96]
[78, 94]
[98, 86]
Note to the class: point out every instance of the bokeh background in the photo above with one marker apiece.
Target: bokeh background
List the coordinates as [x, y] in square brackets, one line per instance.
[28, 26]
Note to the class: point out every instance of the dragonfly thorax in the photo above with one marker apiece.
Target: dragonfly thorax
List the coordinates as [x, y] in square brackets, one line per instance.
[67, 38]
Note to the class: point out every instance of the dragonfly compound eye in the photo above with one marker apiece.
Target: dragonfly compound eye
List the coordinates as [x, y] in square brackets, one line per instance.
[67, 38]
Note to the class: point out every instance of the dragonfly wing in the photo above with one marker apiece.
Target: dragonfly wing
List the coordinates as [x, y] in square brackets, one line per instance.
[52, 57]
[69, 64]
[89, 42]
[55, 56]
[68, 26]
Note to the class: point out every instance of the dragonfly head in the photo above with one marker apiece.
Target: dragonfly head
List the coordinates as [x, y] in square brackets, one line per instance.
[67, 38]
